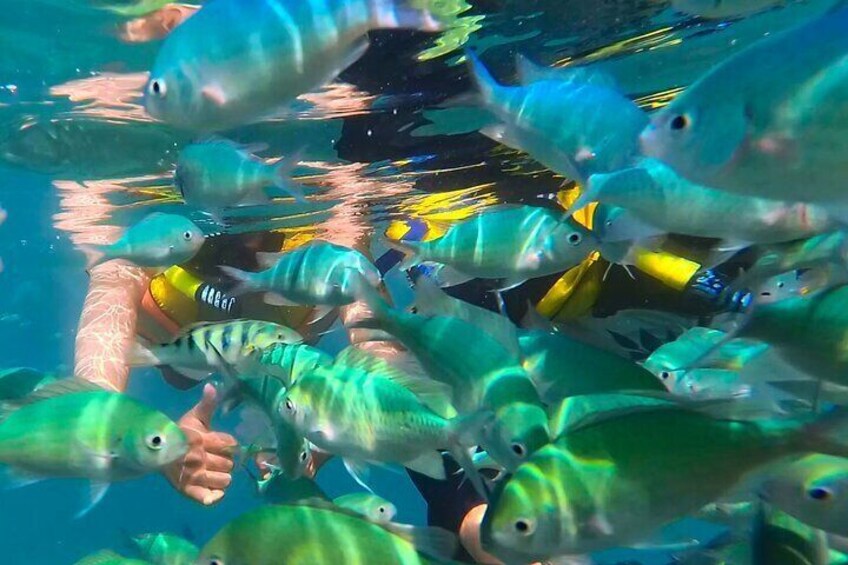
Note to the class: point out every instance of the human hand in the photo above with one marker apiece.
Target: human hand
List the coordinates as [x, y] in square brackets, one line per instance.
[205, 472]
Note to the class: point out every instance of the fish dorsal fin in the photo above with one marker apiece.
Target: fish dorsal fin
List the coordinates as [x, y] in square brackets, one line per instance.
[434, 394]
[103, 557]
[579, 412]
[71, 385]
[530, 72]
[430, 300]
[435, 542]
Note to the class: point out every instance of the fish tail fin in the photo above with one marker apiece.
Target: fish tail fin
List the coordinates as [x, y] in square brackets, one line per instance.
[465, 432]
[141, 355]
[592, 192]
[283, 176]
[483, 79]
[246, 280]
[94, 254]
[397, 14]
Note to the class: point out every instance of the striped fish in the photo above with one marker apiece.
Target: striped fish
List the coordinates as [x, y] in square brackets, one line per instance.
[318, 273]
[506, 242]
[573, 122]
[202, 348]
[237, 61]
[290, 362]
[315, 533]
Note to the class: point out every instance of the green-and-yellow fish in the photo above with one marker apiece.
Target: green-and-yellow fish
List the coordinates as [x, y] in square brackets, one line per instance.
[290, 362]
[279, 489]
[483, 373]
[92, 434]
[318, 273]
[200, 349]
[109, 557]
[369, 505]
[238, 61]
[618, 475]
[514, 243]
[311, 534]
[364, 410]
[813, 490]
[166, 549]
[157, 241]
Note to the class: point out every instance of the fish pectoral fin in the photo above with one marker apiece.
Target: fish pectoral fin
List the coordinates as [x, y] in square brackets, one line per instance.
[97, 492]
[433, 541]
[12, 479]
[215, 94]
[446, 276]
[359, 471]
[429, 463]
[275, 299]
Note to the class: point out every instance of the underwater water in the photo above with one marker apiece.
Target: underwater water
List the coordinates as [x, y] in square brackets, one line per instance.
[389, 147]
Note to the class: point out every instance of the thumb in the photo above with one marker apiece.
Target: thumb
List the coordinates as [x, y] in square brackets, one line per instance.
[205, 409]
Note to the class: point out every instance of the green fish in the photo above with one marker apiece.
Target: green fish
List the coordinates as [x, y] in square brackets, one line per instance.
[109, 557]
[158, 241]
[767, 120]
[369, 505]
[91, 434]
[561, 367]
[317, 273]
[214, 71]
[779, 538]
[265, 394]
[808, 332]
[576, 124]
[364, 410]
[219, 174]
[825, 251]
[813, 490]
[19, 382]
[656, 195]
[509, 242]
[313, 534]
[483, 373]
[166, 549]
[279, 489]
[289, 362]
[200, 349]
[618, 475]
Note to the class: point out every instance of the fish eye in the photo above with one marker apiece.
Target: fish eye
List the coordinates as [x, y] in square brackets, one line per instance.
[665, 375]
[381, 510]
[303, 456]
[679, 122]
[524, 527]
[158, 88]
[187, 235]
[216, 561]
[154, 442]
[289, 405]
[819, 493]
[575, 238]
[781, 284]
[518, 449]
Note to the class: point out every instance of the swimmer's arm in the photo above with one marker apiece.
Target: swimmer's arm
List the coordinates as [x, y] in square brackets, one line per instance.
[107, 324]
